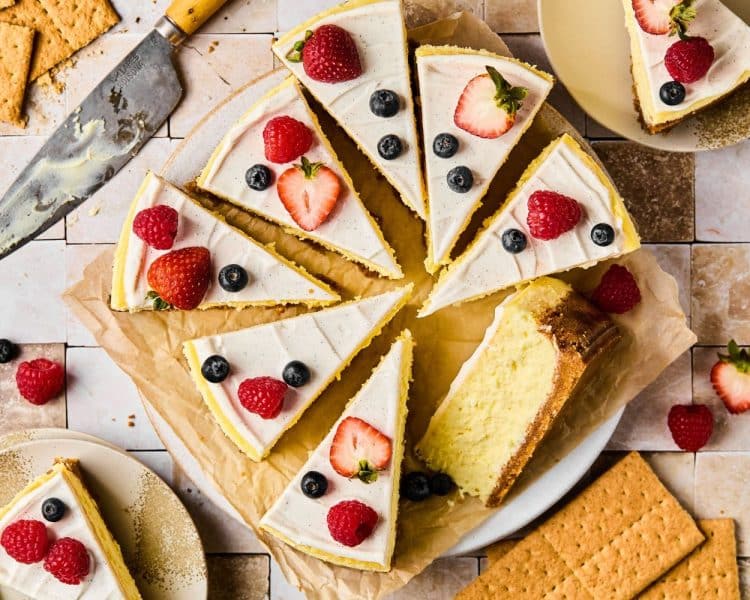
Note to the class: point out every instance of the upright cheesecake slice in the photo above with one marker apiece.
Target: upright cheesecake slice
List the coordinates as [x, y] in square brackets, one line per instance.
[475, 107]
[563, 213]
[540, 346]
[261, 276]
[257, 382]
[675, 78]
[358, 68]
[58, 508]
[342, 505]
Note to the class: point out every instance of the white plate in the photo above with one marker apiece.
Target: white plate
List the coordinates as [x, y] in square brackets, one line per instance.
[588, 47]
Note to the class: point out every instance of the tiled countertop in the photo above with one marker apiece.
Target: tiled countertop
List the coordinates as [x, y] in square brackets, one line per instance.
[694, 212]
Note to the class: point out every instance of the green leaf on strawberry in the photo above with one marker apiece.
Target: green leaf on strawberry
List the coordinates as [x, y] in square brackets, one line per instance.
[680, 17]
[508, 98]
[295, 54]
[157, 301]
[739, 357]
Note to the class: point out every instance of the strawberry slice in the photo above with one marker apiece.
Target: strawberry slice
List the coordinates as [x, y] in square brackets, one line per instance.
[309, 192]
[731, 378]
[358, 449]
[488, 105]
[653, 15]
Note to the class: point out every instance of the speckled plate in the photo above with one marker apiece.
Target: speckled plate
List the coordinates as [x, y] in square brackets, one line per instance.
[157, 536]
[588, 47]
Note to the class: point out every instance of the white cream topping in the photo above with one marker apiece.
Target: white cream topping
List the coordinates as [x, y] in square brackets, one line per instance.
[379, 34]
[303, 519]
[32, 580]
[269, 278]
[348, 227]
[442, 79]
[487, 267]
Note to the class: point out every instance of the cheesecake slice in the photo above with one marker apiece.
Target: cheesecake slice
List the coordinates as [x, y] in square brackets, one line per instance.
[543, 341]
[475, 107]
[563, 185]
[356, 469]
[61, 508]
[289, 361]
[358, 69]
[261, 277]
[714, 57]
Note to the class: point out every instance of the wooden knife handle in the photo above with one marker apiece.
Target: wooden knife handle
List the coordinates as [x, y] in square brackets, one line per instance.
[189, 15]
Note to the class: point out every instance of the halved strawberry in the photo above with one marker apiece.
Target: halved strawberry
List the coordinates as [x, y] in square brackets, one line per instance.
[488, 105]
[654, 15]
[731, 378]
[309, 192]
[359, 449]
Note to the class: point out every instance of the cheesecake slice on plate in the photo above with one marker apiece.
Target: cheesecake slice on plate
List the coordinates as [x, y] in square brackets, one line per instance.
[342, 506]
[258, 381]
[475, 107]
[563, 213]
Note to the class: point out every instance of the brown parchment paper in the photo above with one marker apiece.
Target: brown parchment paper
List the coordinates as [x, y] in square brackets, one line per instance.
[147, 346]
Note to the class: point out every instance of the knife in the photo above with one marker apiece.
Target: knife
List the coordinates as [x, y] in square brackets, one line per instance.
[104, 132]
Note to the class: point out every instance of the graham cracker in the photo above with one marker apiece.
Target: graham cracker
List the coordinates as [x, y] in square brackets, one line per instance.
[16, 44]
[615, 538]
[499, 549]
[6, 3]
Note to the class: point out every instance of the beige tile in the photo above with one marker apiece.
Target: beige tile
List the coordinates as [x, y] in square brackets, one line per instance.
[676, 470]
[426, 11]
[45, 108]
[77, 258]
[744, 567]
[512, 16]
[237, 577]
[675, 260]
[281, 589]
[293, 12]
[159, 461]
[444, 578]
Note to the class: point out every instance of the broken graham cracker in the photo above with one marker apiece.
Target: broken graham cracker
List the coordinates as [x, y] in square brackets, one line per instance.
[16, 44]
[6, 3]
[615, 538]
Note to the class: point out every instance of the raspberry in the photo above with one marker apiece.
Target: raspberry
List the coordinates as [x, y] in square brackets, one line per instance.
[285, 139]
[330, 55]
[551, 214]
[157, 226]
[617, 292]
[40, 380]
[68, 561]
[689, 60]
[351, 522]
[691, 425]
[25, 541]
[263, 396]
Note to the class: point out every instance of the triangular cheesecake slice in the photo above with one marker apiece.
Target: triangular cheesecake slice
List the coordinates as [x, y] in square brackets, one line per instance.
[56, 516]
[342, 506]
[277, 163]
[242, 272]
[475, 107]
[358, 69]
[563, 213]
[258, 381]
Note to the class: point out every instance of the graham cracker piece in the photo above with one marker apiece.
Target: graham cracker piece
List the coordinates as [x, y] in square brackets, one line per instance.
[614, 539]
[16, 44]
[78, 32]
[6, 3]
[499, 549]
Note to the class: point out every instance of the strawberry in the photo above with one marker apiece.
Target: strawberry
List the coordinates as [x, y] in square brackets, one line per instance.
[263, 396]
[309, 192]
[180, 278]
[25, 541]
[488, 105]
[731, 378]
[551, 214]
[689, 59]
[328, 54]
[40, 380]
[617, 291]
[350, 522]
[286, 138]
[68, 561]
[157, 226]
[691, 425]
[654, 16]
[359, 449]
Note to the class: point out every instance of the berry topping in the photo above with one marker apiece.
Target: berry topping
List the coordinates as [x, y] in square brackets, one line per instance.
[514, 241]
[654, 16]
[68, 561]
[390, 147]
[40, 380]
[672, 93]
[180, 278]
[415, 486]
[53, 509]
[731, 378]
[351, 522]
[384, 103]
[25, 541]
[445, 145]
[551, 214]
[328, 54]
[263, 396]
[233, 278]
[688, 60]
[259, 177]
[358, 449]
[617, 292]
[285, 139]
[157, 226]
[8, 351]
[309, 192]
[488, 105]
[215, 369]
[296, 374]
[441, 484]
[691, 425]
[460, 179]
[314, 484]
[602, 234]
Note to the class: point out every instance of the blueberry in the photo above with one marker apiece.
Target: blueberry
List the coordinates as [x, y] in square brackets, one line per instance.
[384, 103]
[445, 145]
[53, 509]
[460, 179]
[672, 93]
[415, 486]
[233, 278]
[441, 484]
[514, 241]
[314, 484]
[8, 351]
[296, 374]
[215, 369]
[389, 147]
[258, 177]
[602, 234]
